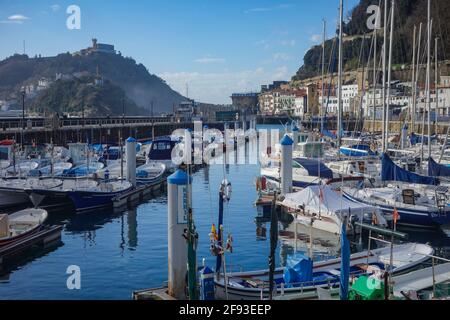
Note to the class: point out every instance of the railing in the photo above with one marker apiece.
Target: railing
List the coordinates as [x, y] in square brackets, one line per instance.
[17, 124]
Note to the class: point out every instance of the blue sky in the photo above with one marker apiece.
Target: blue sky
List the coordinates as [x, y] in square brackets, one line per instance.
[216, 46]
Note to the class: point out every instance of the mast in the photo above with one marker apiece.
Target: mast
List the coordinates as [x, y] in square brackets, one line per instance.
[339, 117]
[321, 113]
[413, 83]
[384, 75]
[391, 40]
[436, 82]
[416, 80]
[374, 76]
[429, 79]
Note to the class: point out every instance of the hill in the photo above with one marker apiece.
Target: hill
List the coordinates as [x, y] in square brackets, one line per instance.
[82, 95]
[408, 14]
[134, 79]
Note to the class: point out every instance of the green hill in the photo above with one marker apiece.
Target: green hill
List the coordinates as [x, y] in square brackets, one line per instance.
[134, 79]
[81, 95]
[408, 14]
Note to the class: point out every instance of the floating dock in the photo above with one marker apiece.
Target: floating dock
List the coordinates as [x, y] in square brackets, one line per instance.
[152, 294]
[138, 193]
[40, 238]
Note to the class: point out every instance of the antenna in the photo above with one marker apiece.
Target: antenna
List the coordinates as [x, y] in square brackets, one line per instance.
[24, 51]
[187, 90]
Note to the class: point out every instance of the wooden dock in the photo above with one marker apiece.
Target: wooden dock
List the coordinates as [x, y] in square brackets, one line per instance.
[41, 238]
[152, 294]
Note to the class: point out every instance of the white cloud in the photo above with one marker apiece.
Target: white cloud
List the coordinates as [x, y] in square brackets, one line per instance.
[16, 18]
[266, 9]
[210, 60]
[55, 7]
[289, 43]
[316, 38]
[281, 56]
[263, 43]
[217, 87]
[281, 73]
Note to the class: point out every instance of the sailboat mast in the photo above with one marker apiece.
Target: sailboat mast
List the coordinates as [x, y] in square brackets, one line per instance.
[383, 138]
[413, 83]
[339, 116]
[322, 111]
[374, 76]
[391, 40]
[429, 78]
[416, 80]
[436, 82]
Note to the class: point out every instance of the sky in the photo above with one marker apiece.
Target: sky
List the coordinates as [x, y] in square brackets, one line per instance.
[207, 49]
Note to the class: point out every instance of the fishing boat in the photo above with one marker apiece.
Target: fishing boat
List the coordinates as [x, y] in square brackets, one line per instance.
[100, 196]
[322, 208]
[21, 224]
[302, 277]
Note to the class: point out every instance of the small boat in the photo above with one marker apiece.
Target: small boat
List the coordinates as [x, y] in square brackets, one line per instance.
[161, 151]
[145, 174]
[20, 224]
[323, 209]
[57, 169]
[84, 170]
[324, 274]
[87, 199]
[305, 172]
[13, 191]
[22, 168]
[150, 173]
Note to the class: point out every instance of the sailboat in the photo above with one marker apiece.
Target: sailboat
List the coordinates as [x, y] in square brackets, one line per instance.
[415, 208]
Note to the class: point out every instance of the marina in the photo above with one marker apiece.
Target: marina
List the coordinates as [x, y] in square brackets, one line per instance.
[333, 185]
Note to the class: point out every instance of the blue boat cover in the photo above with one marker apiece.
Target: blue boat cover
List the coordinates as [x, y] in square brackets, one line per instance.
[415, 139]
[391, 172]
[435, 169]
[329, 134]
[298, 270]
[312, 166]
[345, 262]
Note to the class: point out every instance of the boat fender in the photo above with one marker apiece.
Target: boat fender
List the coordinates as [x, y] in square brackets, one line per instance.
[229, 246]
[225, 190]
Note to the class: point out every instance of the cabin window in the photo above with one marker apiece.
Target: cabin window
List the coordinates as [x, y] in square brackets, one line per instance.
[409, 197]
[161, 146]
[295, 165]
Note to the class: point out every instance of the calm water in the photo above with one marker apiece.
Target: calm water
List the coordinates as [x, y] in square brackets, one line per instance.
[126, 251]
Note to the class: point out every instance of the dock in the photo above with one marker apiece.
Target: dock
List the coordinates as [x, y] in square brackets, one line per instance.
[152, 294]
[41, 238]
[138, 193]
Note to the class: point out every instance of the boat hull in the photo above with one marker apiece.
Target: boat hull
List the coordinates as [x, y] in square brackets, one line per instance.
[87, 201]
[10, 198]
[410, 217]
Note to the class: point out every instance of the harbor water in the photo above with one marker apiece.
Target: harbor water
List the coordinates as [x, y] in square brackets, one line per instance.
[119, 252]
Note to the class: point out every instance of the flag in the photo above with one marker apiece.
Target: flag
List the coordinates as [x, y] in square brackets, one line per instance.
[374, 219]
[320, 194]
[395, 216]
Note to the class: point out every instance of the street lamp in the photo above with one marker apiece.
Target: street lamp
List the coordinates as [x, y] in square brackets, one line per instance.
[23, 116]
